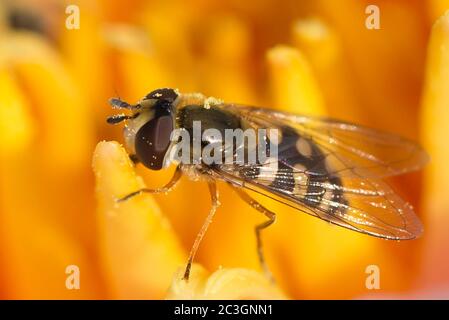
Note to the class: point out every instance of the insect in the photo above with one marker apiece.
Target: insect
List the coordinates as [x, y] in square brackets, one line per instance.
[329, 169]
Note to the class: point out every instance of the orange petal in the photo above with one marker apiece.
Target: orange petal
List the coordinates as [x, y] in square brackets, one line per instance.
[139, 250]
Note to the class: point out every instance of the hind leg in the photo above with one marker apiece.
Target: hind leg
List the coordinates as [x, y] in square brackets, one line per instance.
[215, 204]
[258, 229]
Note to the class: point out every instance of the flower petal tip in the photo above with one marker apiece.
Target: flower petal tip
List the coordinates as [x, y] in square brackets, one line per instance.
[234, 284]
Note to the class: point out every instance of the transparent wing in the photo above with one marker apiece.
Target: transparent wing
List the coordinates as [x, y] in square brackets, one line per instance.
[354, 148]
[336, 177]
[376, 210]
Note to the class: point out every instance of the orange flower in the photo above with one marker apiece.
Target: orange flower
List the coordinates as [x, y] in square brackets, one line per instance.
[310, 57]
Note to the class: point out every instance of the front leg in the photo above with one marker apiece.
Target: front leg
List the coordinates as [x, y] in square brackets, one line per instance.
[168, 187]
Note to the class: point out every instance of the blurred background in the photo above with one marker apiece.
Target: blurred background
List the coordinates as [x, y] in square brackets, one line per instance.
[312, 57]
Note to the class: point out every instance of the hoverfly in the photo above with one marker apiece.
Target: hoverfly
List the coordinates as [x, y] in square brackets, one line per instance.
[329, 169]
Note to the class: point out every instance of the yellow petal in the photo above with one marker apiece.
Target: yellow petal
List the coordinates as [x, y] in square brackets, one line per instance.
[139, 69]
[35, 256]
[293, 84]
[139, 250]
[386, 65]
[435, 119]
[85, 49]
[437, 8]
[224, 71]
[228, 284]
[37, 240]
[65, 123]
[169, 25]
[323, 48]
[17, 127]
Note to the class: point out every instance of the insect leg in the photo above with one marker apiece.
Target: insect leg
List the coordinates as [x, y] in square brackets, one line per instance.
[272, 218]
[215, 203]
[134, 158]
[168, 187]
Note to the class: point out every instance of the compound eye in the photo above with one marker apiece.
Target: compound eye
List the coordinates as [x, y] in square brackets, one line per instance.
[163, 94]
[153, 140]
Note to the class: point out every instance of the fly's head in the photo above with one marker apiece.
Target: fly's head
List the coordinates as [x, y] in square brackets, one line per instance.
[149, 126]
